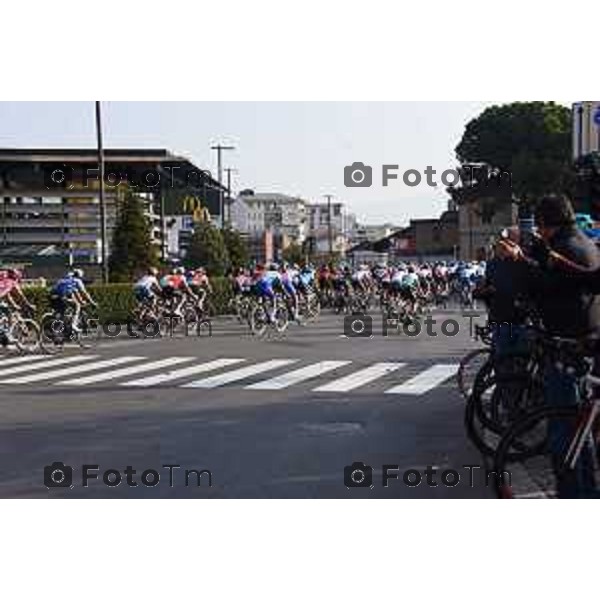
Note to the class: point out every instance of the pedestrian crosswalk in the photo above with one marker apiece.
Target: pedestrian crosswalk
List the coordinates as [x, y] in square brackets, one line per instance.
[188, 372]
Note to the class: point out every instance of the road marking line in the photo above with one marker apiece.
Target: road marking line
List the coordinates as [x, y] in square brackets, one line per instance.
[425, 381]
[182, 373]
[46, 364]
[288, 379]
[237, 374]
[21, 359]
[149, 366]
[54, 374]
[360, 378]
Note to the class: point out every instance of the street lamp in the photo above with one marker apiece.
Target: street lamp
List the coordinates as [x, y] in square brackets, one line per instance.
[229, 171]
[101, 198]
[219, 148]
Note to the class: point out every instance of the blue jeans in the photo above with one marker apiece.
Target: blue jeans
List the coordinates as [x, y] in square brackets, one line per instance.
[509, 339]
[562, 389]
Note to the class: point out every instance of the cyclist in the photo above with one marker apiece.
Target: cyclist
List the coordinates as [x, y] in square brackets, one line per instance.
[266, 282]
[70, 291]
[11, 294]
[147, 289]
[175, 288]
[361, 279]
[287, 282]
[409, 287]
[305, 278]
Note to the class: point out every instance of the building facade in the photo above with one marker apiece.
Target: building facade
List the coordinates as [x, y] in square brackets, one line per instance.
[50, 197]
[343, 224]
[286, 216]
[586, 128]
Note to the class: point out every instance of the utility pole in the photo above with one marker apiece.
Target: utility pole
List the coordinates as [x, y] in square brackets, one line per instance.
[101, 193]
[329, 231]
[229, 171]
[219, 148]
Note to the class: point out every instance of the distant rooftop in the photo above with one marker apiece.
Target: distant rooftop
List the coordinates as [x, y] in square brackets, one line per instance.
[87, 154]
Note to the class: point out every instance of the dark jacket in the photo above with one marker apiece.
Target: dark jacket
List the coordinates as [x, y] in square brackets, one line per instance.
[568, 310]
[509, 280]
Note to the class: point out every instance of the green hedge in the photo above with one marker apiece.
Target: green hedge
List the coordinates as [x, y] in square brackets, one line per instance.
[116, 300]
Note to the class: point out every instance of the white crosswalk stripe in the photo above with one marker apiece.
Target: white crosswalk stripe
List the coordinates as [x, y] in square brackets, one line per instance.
[125, 371]
[288, 379]
[360, 378]
[183, 373]
[239, 374]
[425, 381]
[54, 362]
[55, 374]
[21, 359]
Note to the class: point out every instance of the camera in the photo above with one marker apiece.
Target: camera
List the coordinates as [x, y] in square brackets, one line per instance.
[358, 475]
[58, 176]
[358, 326]
[358, 175]
[58, 475]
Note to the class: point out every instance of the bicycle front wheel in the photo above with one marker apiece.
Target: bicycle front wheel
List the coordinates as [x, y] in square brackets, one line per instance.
[26, 335]
[532, 457]
[469, 366]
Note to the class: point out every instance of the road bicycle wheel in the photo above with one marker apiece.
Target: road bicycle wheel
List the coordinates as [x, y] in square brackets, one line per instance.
[540, 472]
[496, 403]
[468, 369]
[26, 335]
[259, 320]
[87, 335]
[204, 328]
[281, 318]
[53, 333]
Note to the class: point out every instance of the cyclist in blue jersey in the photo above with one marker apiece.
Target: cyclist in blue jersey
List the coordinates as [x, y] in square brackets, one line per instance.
[70, 291]
[266, 281]
[287, 282]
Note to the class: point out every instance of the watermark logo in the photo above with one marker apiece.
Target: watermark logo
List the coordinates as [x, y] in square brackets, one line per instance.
[67, 177]
[59, 475]
[358, 175]
[360, 475]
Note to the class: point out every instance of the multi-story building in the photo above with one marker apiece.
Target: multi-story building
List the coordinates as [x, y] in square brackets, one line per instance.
[50, 198]
[330, 219]
[372, 233]
[586, 128]
[276, 217]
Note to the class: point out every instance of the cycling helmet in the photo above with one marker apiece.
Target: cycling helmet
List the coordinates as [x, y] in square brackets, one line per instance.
[77, 273]
[153, 271]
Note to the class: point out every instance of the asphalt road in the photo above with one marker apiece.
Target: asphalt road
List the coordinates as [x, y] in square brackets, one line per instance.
[268, 418]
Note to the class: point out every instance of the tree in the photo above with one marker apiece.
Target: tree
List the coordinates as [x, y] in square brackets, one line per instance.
[132, 250]
[293, 253]
[237, 248]
[207, 249]
[530, 140]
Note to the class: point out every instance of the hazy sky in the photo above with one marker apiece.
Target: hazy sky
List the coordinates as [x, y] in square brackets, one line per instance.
[299, 148]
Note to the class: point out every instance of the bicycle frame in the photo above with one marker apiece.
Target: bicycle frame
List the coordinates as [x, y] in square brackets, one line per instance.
[585, 422]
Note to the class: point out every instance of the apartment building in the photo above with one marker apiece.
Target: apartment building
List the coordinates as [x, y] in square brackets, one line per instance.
[49, 198]
[286, 216]
[343, 225]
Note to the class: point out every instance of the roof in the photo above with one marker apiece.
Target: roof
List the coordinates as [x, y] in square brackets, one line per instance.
[87, 154]
[27, 251]
[271, 197]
